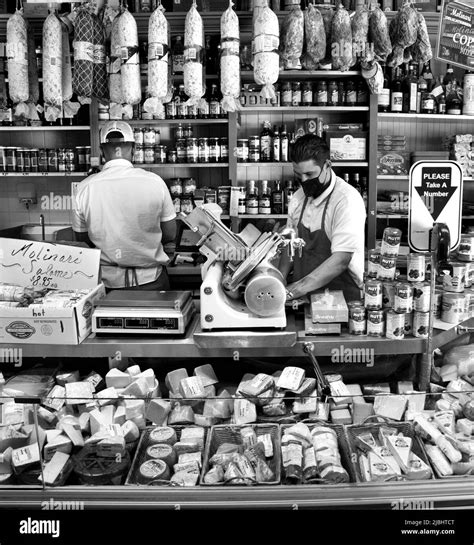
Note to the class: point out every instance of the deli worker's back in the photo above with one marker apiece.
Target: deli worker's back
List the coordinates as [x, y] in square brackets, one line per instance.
[128, 214]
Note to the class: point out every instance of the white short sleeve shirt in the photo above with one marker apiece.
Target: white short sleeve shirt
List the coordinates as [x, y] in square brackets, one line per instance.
[121, 208]
[344, 223]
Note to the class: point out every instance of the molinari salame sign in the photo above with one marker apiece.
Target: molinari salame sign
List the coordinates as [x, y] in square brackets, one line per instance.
[456, 34]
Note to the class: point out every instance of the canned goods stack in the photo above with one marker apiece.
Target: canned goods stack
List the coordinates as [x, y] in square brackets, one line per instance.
[182, 192]
[18, 159]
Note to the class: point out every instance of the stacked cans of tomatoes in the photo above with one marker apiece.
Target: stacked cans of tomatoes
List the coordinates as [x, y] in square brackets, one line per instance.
[392, 308]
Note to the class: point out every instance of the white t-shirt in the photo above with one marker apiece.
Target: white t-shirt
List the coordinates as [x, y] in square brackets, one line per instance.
[344, 224]
[121, 209]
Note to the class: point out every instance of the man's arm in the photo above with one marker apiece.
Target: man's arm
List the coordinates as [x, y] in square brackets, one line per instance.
[285, 265]
[322, 275]
[168, 229]
[83, 237]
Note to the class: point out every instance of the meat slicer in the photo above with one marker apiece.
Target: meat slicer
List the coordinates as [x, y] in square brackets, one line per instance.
[240, 288]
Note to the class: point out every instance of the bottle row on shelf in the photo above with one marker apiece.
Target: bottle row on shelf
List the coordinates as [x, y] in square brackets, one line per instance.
[19, 159]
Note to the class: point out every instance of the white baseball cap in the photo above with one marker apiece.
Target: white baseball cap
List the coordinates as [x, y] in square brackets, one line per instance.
[116, 131]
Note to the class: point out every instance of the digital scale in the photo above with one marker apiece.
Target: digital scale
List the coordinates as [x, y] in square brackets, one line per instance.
[143, 312]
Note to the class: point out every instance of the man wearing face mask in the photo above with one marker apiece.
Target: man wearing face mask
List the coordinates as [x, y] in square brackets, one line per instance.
[329, 215]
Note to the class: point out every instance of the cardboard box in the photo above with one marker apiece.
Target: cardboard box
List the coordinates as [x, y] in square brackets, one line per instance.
[393, 162]
[72, 268]
[329, 306]
[347, 147]
[306, 126]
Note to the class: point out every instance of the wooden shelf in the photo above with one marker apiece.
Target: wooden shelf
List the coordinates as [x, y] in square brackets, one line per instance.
[44, 174]
[305, 74]
[180, 165]
[303, 109]
[47, 128]
[286, 164]
[437, 117]
[261, 216]
[151, 122]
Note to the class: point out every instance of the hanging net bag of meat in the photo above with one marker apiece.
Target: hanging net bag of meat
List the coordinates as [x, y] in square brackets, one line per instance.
[158, 61]
[17, 60]
[265, 44]
[70, 108]
[292, 38]
[194, 57]
[230, 60]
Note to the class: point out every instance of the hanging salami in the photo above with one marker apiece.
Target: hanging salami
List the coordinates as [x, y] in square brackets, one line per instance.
[17, 55]
[115, 75]
[130, 69]
[83, 55]
[292, 37]
[266, 40]
[341, 40]
[230, 60]
[100, 89]
[52, 67]
[70, 109]
[33, 83]
[315, 36]
[158, 61]
[194, 85]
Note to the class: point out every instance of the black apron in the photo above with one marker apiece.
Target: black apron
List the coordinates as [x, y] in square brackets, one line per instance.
[316, 250]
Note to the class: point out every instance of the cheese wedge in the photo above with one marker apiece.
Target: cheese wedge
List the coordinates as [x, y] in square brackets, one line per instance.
[157, 411]
[62, 443]
[119, 415]
[74, 435]
[108, 414]
[107, 397]
[417, 469]
[133, 370]
[53, 468]
[385, 454]
[291, 378]
[400, 447]
[207, 374]
[149, 377]
[117, 379]
[193, 435]
[174, 378]
[379, 469]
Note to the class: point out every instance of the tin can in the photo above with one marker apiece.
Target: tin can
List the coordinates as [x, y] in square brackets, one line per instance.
[138, 136]
[52, 160]
[391, 242]
[375, 323]
[214, 150]
[186, 204]
[3, 158]
[160, 154]
[181, 150]
[242, 151]
[415, 267]
[254, 149]
[224, 150]
[172, 156]
[176, 186]
[70, 160]
[11, 159]
[387, 268]
[149, 154]
[421, 324]
[421, 296]
[395, 325]
[296, 93]
[203, 150]
[403, 301]
[286, 93]
[373, 263]
[27, 159]
[465, 251]
[373, 295]
[408, 323]
[34, 159]
[20, 160]
[188, 131]
[388, 294]
[189, 186]
[179, 132]
[453, 307]
[357, 318]
[455, 282]
[223, 198]
[61, 160]
[43, 160]
[438, 302]
[139, 155]
[149, 137]
[192, 150]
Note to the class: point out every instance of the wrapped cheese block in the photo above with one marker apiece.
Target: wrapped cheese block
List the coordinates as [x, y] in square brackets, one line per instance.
[194, 85]
[326, 448]
[230, 60]
[265, 44]
[17, 54]
[158, 60]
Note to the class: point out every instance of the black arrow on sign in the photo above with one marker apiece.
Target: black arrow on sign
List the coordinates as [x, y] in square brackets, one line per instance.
[435, 203]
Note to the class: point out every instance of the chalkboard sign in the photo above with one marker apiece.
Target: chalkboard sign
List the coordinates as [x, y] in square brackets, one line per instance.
[456, 34]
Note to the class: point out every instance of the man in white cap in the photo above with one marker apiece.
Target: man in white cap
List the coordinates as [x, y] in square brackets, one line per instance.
[128, 214]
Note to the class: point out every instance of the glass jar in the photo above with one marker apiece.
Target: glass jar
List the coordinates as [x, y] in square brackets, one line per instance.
[52, 160]
[149, 137]
[187, 203]
[149, 154]
[160, 154]
[286, 94]
[139, 154]
[181, 150]
[61, 160]
[242, 151]
[307, 94]
[214, 150]
[34, 159]
[224, 145]
[138, 136]
[192, 150]
[189, 186]
[296, 94]
[203, 150]
[176, 186]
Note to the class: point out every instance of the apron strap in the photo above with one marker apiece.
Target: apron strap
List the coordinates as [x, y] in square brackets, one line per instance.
[323, 219]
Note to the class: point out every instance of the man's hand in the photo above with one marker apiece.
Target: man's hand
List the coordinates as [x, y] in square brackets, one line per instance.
[294, 291]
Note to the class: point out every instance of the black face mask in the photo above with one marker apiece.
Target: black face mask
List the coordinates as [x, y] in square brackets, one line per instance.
[314, 187]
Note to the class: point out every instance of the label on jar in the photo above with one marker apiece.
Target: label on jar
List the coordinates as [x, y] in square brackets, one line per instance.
[322, 97]
[252, 205]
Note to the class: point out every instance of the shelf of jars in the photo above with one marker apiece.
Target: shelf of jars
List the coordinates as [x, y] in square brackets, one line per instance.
[43, 174]
[305, 74]
[261, 216]
[184, 121]
[302, 109]
[431, 117]
[28, 128]
[334, 164]
[180, 165]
